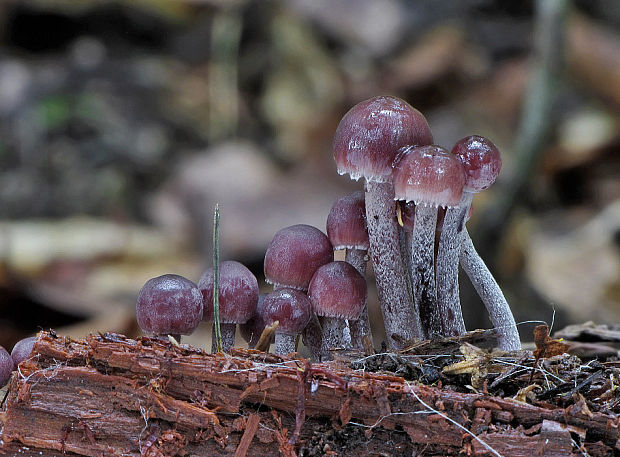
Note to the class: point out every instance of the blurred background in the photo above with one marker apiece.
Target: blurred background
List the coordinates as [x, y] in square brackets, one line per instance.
[123, 122]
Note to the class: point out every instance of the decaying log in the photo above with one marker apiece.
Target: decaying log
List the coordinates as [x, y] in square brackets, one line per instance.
[111, 396]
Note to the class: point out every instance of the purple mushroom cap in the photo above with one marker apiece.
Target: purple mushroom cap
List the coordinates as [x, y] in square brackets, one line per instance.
[481, 161]
[371, 133]
[6, 366]
[238, 290]
[338, 290]
[294, 254]
[168, 305]
[290, 307]
[22, 349]
[346, 223]
[428, 175]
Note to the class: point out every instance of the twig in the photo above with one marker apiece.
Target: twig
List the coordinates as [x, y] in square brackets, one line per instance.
[216, 276]
[452, 421]
[250, 430]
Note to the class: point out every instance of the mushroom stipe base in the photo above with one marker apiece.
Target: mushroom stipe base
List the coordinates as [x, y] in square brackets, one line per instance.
[490, 293]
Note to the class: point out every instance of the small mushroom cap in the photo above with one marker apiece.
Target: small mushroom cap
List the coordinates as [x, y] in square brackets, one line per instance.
[338, 290]
[6, 366]
[169, 304]
[22, 349]
[294, 254]
[481, 161]
[253, 328]
[238, 289]
[346, 223]
[290, 307]
[371, 133]
[428, 175]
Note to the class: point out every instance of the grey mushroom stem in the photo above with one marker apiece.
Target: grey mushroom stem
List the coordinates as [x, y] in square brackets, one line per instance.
[491, 295]
[422, 268]
[447, 268]
[228, 337]
[285, 344]
[399, 315]
[335, 335]
[361, 327]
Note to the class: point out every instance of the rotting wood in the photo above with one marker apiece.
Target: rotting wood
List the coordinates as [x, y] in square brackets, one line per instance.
[111, 396]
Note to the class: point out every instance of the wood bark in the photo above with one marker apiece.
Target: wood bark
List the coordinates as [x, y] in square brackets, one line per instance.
[111, 396]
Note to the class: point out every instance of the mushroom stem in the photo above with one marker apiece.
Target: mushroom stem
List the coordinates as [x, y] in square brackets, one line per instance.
[228, 337]
[285, 344]
[360, 327]
[399, 315]
[447, 268]
[422, 268]
[335, 335]
[491, 295]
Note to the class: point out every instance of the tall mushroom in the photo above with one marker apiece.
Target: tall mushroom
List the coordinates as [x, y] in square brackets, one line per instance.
[430, 177]
[338, 293]
[169, 305]
[347, 229]
[481, 163]
[238, 296]
[365, 145]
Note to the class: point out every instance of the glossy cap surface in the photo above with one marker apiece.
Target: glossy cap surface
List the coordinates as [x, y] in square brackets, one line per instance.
[428, 175]
[169, 304]
[294, 254]
[481, 161]
[238, 296]
[346, 223]
[337, 289]
[371, 133]
[22, 349]
[290, 307]
[6, 366]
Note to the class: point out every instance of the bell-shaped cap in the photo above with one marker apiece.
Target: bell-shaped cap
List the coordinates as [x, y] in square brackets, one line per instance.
[481, 161]
[371, 133]
[429, 176]
[238, 289]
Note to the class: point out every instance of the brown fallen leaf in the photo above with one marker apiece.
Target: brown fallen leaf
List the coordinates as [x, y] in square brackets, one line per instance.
[545, 345]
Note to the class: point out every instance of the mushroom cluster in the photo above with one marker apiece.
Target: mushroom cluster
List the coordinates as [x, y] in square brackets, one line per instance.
[416, 246]
[409, 221]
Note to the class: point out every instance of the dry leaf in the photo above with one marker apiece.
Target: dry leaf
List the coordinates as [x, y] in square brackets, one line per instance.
[545, 345]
